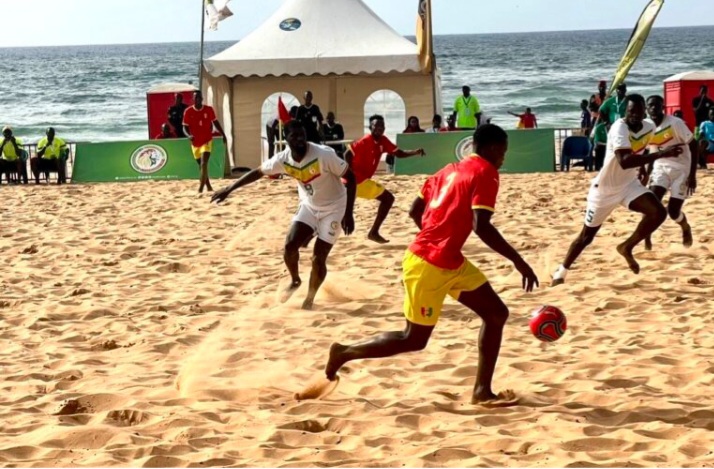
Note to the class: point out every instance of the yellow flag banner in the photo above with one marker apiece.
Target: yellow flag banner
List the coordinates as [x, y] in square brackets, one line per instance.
[637, 42]
[424, 36]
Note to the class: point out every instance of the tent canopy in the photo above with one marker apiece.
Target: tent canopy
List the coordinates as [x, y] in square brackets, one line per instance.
[691, 76]
[318, 37]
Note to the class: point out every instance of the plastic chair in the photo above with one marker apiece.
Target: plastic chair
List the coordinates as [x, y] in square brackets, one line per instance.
[576, 148]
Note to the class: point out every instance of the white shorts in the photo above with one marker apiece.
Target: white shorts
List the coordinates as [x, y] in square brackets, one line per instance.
[671, 178]
[326, 223]
[600, 205]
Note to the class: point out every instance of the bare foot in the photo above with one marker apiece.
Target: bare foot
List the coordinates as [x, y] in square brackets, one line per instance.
[377, 238]
[288, 292]
[308, 304]
[648, 244]
[318, 389]
[557, 281]
[626, 252]
[336, 360]
[488, 399]
[687, 239]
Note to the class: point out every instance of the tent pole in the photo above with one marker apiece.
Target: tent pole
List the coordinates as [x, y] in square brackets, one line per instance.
[203, 34]
[433, 58]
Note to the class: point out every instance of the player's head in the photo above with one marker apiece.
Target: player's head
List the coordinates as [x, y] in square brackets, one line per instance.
[376, 125]
[198, 98]
[635, 113]
[491, 143]
[655, 107]
[297, 138]
[50, 132]
[466, 91]
[621, 90]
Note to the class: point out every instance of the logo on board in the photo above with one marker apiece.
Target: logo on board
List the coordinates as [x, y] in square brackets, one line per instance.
[148, 159]
[464, 148]
[290, 24]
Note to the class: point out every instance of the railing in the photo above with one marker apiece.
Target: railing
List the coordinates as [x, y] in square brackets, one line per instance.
[31, 149]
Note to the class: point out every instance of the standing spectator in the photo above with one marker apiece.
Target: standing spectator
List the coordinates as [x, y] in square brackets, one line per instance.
[333, 131]
[614, 108]
[600, 143]
[586, 122]
[596, 100]
[413, 126]
[706, 137]
[702, 104]
[272, 129]
[527, 120]
[311, 118]
[436, 125]
[467, 110]
[52, 155]
[166, 133]
[12, 156]
[198, 124]
[176, 115]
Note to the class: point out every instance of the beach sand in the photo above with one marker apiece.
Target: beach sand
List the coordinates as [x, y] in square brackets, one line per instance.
[140, 326]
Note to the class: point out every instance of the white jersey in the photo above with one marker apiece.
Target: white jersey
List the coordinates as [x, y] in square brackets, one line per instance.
[319, 175]
[612, 177]
[672, 131]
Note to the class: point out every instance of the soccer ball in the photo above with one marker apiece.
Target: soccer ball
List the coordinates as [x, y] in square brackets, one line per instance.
[548, 323]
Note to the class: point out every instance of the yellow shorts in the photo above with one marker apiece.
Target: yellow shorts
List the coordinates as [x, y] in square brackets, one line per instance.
[426, 287]
[199, 151]
[370, 190]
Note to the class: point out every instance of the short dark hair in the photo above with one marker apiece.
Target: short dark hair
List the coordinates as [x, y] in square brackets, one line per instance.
[294, 125]
[656, 97]
[489, 134]
[375, 117]
[437, 116]
[635, 99]
[622, 86]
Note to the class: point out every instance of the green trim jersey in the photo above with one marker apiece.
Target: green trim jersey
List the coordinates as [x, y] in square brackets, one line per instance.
[612, 177]
[672, 131]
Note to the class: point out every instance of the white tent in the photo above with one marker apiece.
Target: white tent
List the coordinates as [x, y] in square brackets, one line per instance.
[338, 49]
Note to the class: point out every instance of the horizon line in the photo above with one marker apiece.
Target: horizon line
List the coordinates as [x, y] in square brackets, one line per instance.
[406, 36]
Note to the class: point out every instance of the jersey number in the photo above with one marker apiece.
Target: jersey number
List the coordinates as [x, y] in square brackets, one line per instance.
[436, 203]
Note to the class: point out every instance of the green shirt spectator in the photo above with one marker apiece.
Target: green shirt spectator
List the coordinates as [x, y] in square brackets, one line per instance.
[467, 110]
[600, 134]
[614, 108]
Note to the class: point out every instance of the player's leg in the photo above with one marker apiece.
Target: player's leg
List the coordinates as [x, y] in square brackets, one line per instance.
[329, 229]
[386, 201]
[659, 191]
[654, 214]
[204, 170]
[301, 229]
[485, 302]
[678, 195]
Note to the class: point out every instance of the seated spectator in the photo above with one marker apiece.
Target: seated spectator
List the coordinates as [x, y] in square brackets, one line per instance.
[13, 158]
[333, 131]
[52, 155]
[436, 125]
[166, 133]
[586, 122]
[527, 120]
[706, 138]
[451, 123]
[413, 126]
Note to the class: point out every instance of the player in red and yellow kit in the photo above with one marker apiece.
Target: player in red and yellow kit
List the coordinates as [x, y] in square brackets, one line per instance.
[363, 157]
[456, 200]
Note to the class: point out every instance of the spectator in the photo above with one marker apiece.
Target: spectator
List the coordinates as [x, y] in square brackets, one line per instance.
[272, 129]
[311, 118]
[413, 126]
[527, 120]
[586, 122]
[13, 158]
[467, 110]
[198, 123]
[614, 108]
[678, 114]
[451, 123]
[596, 100]
[706, 138]
[333, 131]
[166, 133]
[436, 125]
[176, 113]
[52, 155]
[600, 143]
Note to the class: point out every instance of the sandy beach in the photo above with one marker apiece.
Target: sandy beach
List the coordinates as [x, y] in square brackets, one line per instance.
[141, 327]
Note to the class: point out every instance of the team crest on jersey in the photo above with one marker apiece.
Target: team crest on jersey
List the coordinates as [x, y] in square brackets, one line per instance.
[464, 148]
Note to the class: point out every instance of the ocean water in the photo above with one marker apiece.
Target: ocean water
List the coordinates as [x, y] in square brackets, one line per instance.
[98, 93]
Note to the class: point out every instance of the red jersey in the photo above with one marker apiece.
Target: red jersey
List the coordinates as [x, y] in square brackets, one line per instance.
[451, 195]
[528, 121]
[200, 124]
[367, 152]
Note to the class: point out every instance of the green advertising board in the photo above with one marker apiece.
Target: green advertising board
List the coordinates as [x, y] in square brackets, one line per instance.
[529, 151]
[142, 161]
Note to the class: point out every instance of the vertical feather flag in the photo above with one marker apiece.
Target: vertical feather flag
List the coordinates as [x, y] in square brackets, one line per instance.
[425, 41]
[637, 42]
[217, 11]
[283, 113]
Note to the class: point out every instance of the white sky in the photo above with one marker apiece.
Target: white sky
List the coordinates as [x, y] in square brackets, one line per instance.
[78, 22]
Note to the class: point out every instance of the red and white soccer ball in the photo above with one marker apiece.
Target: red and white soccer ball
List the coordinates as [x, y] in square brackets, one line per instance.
[548, 323]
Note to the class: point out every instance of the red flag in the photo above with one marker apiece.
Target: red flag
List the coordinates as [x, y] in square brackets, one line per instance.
[283, 113]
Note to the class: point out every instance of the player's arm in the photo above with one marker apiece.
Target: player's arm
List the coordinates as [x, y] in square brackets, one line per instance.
[187, 132]
[416, 212]
[692, 180]
[249, 178]
[629, 160]
[348, 223]
[219, 128]
[349, 156]
[399, 153]
[514, 114]
[492, 238]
